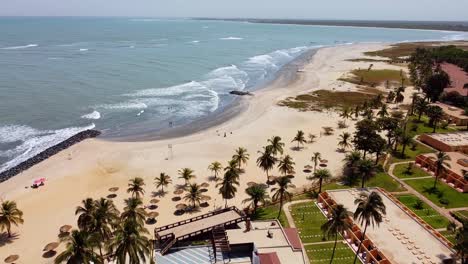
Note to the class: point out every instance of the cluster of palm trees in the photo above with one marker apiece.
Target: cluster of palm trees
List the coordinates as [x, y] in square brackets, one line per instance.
[105, 233]
[356, 166]
[370, 210]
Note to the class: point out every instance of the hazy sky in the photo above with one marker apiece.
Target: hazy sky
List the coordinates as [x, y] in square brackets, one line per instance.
[313, 9]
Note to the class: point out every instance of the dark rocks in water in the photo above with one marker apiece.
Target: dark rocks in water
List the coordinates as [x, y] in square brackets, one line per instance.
[5, 175]
[240, 93]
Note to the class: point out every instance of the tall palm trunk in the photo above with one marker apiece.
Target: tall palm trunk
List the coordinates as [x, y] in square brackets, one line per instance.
[363, 181]
[281, 205]
[225, 203]
[320, 185]
[360, 243]
[334, 248]
[436, 177]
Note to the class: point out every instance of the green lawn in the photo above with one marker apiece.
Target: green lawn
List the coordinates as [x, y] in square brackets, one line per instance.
[428, 214]
[383, 180]
[308, 219]
[401, 171]
[423, 127]
[410, 154]
[270, 212]
[449, 235]
[462, 214]
[424, 186]
[321, 253]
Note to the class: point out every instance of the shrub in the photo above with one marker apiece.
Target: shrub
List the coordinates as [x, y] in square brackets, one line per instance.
[342, 124]
[444, 201]
[418, 204]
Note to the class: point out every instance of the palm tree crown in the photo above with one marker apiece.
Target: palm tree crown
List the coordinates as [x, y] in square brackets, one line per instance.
[79, 249]
[281, 191]
[321, 175]
[286, 165]
[85, 212]
[276, 144]
[337, 223]
[134, 211]
[267, 160]
[130, 243]
[441, 161]
[299, 138]
[10, 214]
[257, 194]
[215, 167]
[241, 156]
[186, 174]
[316, 158]
[135, 187]
[345, 139]
[162, 181]
[194, 194]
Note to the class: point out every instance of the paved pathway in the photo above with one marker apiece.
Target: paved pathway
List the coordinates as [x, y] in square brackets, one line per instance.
[410, 189]
[417, 178]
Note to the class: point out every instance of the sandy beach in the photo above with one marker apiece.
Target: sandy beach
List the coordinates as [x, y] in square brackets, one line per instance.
[90, 168]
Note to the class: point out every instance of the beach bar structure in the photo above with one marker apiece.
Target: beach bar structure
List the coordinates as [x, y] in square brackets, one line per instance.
[453, 175]
[368, 252]
[449, 142]
[402, 237]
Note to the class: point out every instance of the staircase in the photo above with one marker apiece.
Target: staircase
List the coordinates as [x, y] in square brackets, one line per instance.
[220, 243]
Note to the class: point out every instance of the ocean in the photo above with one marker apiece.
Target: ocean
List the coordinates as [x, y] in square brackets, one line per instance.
[129, 77]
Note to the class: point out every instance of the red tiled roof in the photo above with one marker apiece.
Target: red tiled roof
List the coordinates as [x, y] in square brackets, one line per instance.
[269, 258]
[293, 237]
[458, 77]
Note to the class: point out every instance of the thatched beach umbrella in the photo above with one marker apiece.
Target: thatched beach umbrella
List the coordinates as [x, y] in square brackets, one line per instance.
[205, 185]
[51, 246]
[324, 161]
[153, 215]
[11, 258]
[272, 178]
[309, 167]
[323, 165]
[113, 189]
[65, 228]
[250, 184]
[154, 201]
[178, 192]
[205, 197]
[181, 206]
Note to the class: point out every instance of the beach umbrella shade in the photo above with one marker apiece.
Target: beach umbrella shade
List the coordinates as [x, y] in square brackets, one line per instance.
[178, 192]
[206, 197]
[323, 165]
[271, 178]
[51, 246]
[65, 228]
[176, 198]
[154, 201]
[181, 206]
[250, 184]
[113, 189]
[309, 167]
[205, 185]
[153, 215]
[324, 161]
[11, 258]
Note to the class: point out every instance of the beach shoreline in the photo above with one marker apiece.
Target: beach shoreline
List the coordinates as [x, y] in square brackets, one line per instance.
[90, 168]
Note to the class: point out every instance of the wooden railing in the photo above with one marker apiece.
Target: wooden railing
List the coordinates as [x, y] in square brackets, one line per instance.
[168, 244]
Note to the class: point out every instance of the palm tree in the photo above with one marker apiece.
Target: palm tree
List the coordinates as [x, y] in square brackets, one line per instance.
[257, 194]
[405, 140]
[337, 223]
[435, 114]
[162, 181]
[194, 194]
[299, 138]
[440, 162]
[135, 187]
[321, 174]
[215, 167]
[370, 208]
[130, 245]
[353, 158]
[281, 192]
[461, 243]
[187, 175]
[383, 112]
[345, 113]
[134, 211]
[345, 139]
[276, 144]
[79, 249]
[241, 156]
[267, 160]
[286, 165]
[105, 217]
[227, 187]
[421, 106]
[10, 214]
[85, 212]
[367, 169]
[316, 158]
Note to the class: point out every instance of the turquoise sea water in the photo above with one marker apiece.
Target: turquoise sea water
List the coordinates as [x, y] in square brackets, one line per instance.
[129, 76]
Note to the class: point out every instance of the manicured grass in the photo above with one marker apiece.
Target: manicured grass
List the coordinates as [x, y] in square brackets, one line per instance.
[423, 127]
[424, 186]
[410, 154]
[461, 215]
[428, 214]
[383, 180]
[377, 77]
[270, 212]
[321, 253]
[401, 171]
[308, 219]
[449, 235]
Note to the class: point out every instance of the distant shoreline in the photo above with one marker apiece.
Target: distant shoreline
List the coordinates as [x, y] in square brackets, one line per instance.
[459, 26]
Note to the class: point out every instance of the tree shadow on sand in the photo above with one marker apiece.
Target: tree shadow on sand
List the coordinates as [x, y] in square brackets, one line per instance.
[4, 239]
[212, 178]
[49, 254]
[296, 148]
[159, 193]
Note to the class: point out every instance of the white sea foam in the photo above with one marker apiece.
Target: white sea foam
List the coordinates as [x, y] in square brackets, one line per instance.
[130, 105]
[195, 41]
[83, 49]
[20, 47]
[93, 115]
[32, 141]
[231, 38]
[141, 112]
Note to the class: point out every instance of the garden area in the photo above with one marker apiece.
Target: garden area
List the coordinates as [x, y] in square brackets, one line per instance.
[308, 219]
[322, 253]
[443, 195]
[405, 171]
[421, 209]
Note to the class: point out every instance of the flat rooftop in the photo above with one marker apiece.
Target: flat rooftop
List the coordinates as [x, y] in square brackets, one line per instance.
[388, 243]
[452, 110]
[452, 139]
[278, 242]
[458, 77]
[454, 158]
